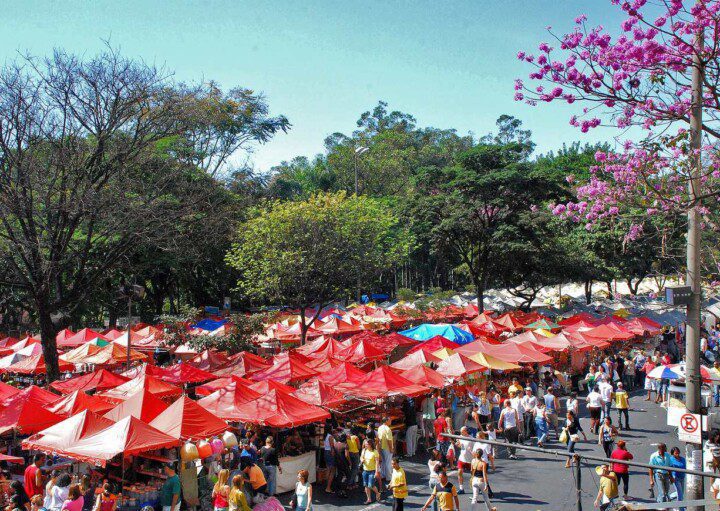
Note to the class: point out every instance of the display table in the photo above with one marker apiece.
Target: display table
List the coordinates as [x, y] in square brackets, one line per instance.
[291, 465]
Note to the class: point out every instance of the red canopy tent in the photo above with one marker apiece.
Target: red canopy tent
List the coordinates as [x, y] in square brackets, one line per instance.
[609, 332]
[639, 327]
[581, 316]
[243, 364]
[220, 383]
[491, 328]
[80, 354]
[153, 385]
[416, 359]
[99, 380]
[35, 365]
[113, 334]
[286, 368]
[209, 360]
[265, 386]
[582, 342]
[79, 401]
[176, 374]
[227, 402]
[26, 412]
[541, 343]
[434, 344]
[328, 347]
[510, 352]
[398, 341]
[67, 433]
[63, 334]
[128, 437]
[362, 352]
[11, 459]
[457, 366]
[81, 337]
[280, 410]
[510, 321]
[335, 326]
[185, 419]
[7, 391]
[322, 365]
[383, 382]
[319, 393]
[343, 376]
[142, 404]
[424, 376]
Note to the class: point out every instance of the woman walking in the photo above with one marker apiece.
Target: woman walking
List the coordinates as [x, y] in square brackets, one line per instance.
[303, 492]
[484, 410]
[370, 459]
[541, 426]
[621, 470]
[573, 428]
[478, 471]
[594, 405]
[607, 435]
[221, 491]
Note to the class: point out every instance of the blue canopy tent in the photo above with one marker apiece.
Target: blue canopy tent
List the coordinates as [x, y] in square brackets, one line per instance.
[209, 324]
[428, 331]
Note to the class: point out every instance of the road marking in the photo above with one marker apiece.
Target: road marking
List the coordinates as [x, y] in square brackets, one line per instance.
[378, 504]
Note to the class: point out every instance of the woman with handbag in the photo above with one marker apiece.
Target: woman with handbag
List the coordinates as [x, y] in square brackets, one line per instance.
[573, 430]
[606, 436]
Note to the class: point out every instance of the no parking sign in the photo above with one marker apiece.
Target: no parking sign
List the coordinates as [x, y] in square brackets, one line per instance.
[690, 429]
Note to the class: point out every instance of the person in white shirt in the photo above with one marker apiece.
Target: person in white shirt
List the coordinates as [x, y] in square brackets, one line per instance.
[508, 424]
[528, 403]
[606, 392]
[516, 403]
[465, 458]
[572, 404]
[594, 405]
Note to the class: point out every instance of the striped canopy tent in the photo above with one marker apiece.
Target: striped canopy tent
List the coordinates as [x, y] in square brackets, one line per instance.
[227, 403]
[64, 434]
[459, 366]
[185, 419]
[318, 393]
[79, 401]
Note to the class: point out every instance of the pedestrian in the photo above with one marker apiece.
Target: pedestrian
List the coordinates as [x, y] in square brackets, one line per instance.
[606, 391]
[255, 478]
[49, 485]
[677, 461]
[398, 485]
[629, 375]
[445, 493]
[88, 493]
[516, 403]
[170, 491]
[649, 382]
[492, 435]
[106, 500]
[59, 491]
[428, 417]
[221, 491]
[573, 429]
[370, 460]
[353, 443]
[494, 399]
[387, 448]
[19, 494]
[515, 387]
[622, 470]
[622, 403]
[478, 472]
[608, 488]
[237, 500]
[552, 405]
[713, 445]
[484, 410]
[271, 462]
[590, 377]
[441, 426]
[716, 386]
[528, 404]
[411, 431]
[572, 404]
[342, 465]
[661, 478]
[435, 465]
[508, 425]
[541, 425]
[465, 458]
[594, 406]
[606, 436]
[302, 500]
[329, 454]
[33, 476]
[75, 499]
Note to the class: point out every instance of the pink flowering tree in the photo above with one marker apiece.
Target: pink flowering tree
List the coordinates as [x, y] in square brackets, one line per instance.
[638, 79]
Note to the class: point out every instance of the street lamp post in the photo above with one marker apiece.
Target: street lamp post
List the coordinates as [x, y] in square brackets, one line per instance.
[360, 150]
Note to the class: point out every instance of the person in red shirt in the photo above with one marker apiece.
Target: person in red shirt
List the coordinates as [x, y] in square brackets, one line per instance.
[649, 383]
[33, 476]
[622, 470]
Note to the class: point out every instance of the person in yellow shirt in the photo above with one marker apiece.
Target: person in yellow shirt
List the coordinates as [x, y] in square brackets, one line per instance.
[398, 485]
[370, 460]
[622, 403]
[608, 492]
[387, 448]
[515, 388]
[353, 443]
[445, 493]
[236, 499]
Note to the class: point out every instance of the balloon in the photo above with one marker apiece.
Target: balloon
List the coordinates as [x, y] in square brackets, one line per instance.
[189, 452]
[217, 445]
[229, 439]
[204, 449]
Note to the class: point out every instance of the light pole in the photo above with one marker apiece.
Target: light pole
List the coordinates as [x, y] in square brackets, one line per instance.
[130, 291]
[360, 150]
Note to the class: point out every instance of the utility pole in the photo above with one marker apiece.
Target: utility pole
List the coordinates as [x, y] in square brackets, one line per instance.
[693, 277]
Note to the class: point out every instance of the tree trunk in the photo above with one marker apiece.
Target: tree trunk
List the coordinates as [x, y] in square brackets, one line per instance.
[480, 292]
[588, 291]
[608, 283]
[48, 334]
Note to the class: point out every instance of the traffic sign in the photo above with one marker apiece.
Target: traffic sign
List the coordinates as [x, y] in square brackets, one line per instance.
[690, 429]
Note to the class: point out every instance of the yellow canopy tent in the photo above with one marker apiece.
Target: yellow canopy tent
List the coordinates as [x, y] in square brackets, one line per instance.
[493, 363]
[443, 353]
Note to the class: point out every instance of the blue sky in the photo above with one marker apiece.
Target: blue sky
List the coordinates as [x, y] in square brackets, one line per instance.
[322, 63]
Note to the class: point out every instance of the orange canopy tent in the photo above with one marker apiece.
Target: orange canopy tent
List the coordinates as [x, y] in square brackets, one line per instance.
[115, 354]
[220, 383]
[286, 368]
[65, 434]
[343, 376]
[142, 404]
[362, 352]
[424, 376]
[26, 412]
[128, 437]
[383, 382]
[226, 403]
[35, 365]
[153, 385]
[433, 344]
[319, 393]
[81, 337]
[416, 359]
[458, 365]
[99, 380]
[280, 410]
[185, 419]
[79, 401]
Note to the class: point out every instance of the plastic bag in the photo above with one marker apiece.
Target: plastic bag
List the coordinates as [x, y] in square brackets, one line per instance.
[564, 436]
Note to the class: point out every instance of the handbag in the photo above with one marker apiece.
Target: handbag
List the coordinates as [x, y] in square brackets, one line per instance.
[564, 436]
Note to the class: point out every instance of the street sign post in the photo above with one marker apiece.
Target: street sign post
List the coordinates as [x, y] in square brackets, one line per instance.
[678, 295]
[690, 428]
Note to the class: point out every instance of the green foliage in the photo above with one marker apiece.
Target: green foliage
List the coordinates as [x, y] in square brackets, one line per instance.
[406, 295]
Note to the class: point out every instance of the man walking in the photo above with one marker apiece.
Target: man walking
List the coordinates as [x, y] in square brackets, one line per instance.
[552, 405]
[387, 448]
[508, 424]
[606, 392]
[411, 426]
[661, 479]
[622, 403]
[528, 403]
[445, 493]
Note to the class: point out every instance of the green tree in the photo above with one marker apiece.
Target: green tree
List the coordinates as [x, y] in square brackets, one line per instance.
[307, 253]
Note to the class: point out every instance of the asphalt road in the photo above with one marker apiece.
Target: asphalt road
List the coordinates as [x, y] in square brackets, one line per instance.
[534, 481]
